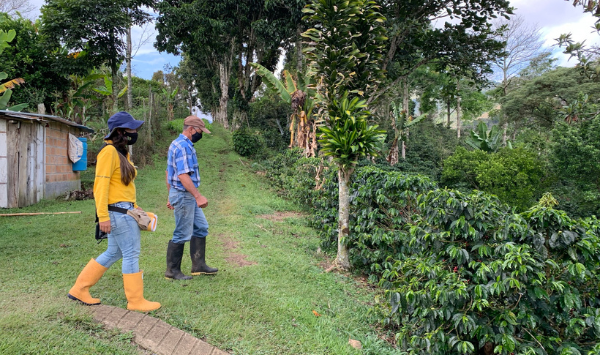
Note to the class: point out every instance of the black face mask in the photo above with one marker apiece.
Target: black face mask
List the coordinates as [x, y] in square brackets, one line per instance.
[196, 137]
[132, 137]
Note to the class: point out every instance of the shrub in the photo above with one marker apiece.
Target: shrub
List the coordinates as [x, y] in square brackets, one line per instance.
[381, 203]
[476, 278]
[176, 125]
[575, 157]
[247, 143]
[516, 175]
[296, 176]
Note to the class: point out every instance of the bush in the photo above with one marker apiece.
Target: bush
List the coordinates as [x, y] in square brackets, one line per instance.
[295, 176]
[463, 273]
[575, 158]
[381, 203]
[247, 143]
[475, 278]
[516, 176]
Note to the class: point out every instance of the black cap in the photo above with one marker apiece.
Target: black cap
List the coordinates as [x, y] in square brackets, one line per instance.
[122, 120]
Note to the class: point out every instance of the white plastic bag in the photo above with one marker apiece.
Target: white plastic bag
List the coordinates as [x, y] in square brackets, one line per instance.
[75, 148]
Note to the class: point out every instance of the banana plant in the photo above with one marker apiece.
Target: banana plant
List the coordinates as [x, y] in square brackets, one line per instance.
[107, 90]
[488, 142]
[401, 127]
[301, 97]
[6, 88]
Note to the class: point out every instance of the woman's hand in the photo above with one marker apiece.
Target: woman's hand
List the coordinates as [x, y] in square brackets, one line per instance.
[105, 226]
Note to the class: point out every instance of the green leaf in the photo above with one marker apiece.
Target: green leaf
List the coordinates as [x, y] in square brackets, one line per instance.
[17, 108]
[4, 99]
[123, 91]
[272, 82]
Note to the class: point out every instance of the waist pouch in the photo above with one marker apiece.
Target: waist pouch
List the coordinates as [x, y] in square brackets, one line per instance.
[144, 221]
[141, 217]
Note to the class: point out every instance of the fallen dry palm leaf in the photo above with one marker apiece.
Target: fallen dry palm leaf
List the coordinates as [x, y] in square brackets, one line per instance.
[11, 84]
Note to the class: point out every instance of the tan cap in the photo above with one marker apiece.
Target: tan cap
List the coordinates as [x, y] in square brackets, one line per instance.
[195, 122]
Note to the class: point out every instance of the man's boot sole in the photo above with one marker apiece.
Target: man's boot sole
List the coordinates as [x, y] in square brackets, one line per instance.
[203, 273]
[173, 278]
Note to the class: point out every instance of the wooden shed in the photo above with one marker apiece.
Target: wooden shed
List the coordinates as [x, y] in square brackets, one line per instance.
[34, 162]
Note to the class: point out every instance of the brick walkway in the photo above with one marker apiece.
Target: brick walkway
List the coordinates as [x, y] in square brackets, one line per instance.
[153, 334]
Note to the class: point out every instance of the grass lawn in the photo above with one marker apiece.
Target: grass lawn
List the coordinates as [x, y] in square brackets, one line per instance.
[261, 302]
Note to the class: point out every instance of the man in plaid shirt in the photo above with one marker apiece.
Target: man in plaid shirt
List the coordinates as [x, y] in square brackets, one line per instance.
[183, 180]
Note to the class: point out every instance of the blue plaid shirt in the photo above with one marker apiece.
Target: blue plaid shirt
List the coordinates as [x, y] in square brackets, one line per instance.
[182, 159]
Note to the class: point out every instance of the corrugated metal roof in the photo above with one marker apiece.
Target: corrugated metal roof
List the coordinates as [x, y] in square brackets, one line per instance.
[42, 118]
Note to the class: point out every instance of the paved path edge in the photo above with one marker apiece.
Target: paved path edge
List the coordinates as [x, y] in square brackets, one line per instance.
[153, 334]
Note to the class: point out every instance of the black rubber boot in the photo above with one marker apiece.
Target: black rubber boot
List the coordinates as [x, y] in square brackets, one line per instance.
[174, 255]
[197, 252]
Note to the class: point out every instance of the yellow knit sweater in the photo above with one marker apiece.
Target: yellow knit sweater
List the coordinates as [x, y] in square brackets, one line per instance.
[108, 187]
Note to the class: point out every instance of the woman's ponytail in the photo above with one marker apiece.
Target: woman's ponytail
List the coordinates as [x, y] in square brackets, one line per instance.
[120, 143]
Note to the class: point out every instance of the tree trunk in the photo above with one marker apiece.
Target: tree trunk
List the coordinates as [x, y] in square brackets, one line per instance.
[504, 129]
[403, 151]
[448, 113]
[128, 58]
[299, 57]
[239, 117]
[392, 157]
[343, 259]
[406, 107]
[458, 109]
[115, 90]
[406, 98]
[224, 72]
[279, 126]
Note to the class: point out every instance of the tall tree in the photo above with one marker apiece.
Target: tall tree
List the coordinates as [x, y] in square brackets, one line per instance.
[522, 43]
[265, 27]
[12, 7]
[538, 102]
[94, 27]
[466, 40]
[227, 36]
[345, 50]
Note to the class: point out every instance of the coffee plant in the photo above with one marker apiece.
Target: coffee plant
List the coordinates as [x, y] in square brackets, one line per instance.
[476, 278]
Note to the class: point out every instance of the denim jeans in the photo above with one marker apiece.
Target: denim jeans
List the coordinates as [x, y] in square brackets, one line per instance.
[189, 218]
[123, 241]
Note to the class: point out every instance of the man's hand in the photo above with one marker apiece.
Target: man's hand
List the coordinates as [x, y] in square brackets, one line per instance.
[105, 226]
[139, 208]
[201, 201]
[169, 206]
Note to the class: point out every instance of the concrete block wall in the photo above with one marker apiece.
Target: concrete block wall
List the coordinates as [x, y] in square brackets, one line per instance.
[60, 176]
[3, 166]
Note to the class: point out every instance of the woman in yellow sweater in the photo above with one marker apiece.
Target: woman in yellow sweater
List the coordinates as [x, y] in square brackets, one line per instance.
[114, 192]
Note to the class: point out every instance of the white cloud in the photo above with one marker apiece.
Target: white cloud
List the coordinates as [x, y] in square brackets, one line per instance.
[556, 17]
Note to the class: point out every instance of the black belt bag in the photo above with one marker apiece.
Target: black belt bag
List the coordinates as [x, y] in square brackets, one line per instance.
[100, 235]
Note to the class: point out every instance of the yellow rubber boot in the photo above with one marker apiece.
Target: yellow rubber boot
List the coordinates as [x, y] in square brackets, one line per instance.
[134, 291]
[88, 277]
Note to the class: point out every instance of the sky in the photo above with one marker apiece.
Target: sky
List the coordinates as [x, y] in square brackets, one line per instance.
[554, 17]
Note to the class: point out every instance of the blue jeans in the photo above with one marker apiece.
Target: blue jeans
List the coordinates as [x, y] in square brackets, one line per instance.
[189, 218]
[123, 241]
